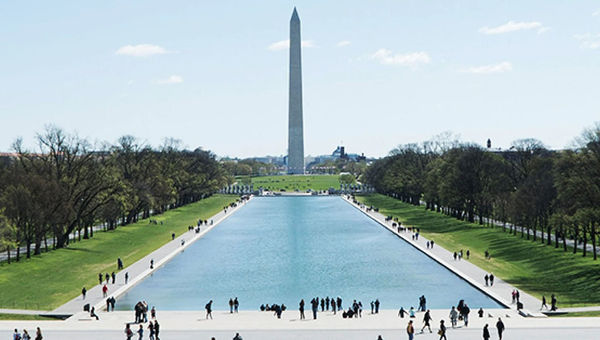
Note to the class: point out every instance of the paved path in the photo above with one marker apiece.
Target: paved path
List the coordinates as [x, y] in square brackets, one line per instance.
[500, 291]
[467, 334]
[140, 269]
[263, 325]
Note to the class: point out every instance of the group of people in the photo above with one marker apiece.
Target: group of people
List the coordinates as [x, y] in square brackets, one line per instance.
[335, 303]
[234, 304]
[553, 302]
[458, 255]
[461, 312]
[276, 308]
[25, 335]
[141, 312]
[153, 329]
[489, 279]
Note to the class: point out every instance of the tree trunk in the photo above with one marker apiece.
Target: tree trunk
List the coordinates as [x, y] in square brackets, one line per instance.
[584, 243]
[8, 254]
[593, 235]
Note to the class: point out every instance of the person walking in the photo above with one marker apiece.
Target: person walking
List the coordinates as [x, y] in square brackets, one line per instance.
[486, 332]
[119, 264]
[486, 278]
[315, 307]
[151, 329]
[410, 330]
[426, 320]
[491, 279]
[140, 332]
[156, 329]
[236, 304]
[301, 308]
[442, 331]
[38, 334]
[465, 313]
[453, 317]
[208, 308]
[16, 335]
[128, 332]
[543, 302]
[377, 303]
[126, 277]
[500, 328]
[230, 306]
[83, 291]
[104, 291]
[26, 335]
[237, 336]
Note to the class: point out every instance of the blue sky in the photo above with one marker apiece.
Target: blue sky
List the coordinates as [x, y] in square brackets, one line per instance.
[375, 73]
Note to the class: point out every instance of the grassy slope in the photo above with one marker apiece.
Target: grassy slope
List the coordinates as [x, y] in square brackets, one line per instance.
[302, 183]
[532, 267]
[24, 317]
[45, 282]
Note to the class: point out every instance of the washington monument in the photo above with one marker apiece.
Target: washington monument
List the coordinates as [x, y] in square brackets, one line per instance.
[295, 133]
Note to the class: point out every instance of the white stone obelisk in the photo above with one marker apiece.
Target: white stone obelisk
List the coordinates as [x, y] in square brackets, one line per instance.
[295, 133]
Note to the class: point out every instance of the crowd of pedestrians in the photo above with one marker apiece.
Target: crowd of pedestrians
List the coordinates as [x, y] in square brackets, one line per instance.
[25, 335]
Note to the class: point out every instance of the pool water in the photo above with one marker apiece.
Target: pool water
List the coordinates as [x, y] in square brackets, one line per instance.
[283, 249]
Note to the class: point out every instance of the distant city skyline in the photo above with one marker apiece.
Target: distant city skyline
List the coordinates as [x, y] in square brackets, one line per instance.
[375, 75]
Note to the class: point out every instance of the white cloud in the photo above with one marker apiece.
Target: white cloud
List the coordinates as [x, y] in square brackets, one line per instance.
[386, 57]
[174, 79]
[141, 50]
[596, 13]
[343, 43]
[513, 26]
[589, 40]
[504, 66]
[285, 44]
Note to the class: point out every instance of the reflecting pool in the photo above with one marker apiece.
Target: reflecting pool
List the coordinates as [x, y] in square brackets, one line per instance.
[282, 249]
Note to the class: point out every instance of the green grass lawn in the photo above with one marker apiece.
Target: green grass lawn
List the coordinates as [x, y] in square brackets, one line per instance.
[299, 182]
[577, 315]
[530, 266]
[24, 317]
[47, 281]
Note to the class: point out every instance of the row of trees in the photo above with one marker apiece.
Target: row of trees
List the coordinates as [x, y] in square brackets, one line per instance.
[67, 186]
[250, 167]
[528, 186]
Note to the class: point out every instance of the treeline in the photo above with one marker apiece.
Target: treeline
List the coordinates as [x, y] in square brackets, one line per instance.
[68, 186]
[250, 167]
[532, 189]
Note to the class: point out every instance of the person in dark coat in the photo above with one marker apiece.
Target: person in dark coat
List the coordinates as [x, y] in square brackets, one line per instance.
[301, 308]
[442, 331]
[156, 329]
[208, 308]
[486, 332]
[500, 327]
